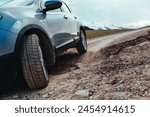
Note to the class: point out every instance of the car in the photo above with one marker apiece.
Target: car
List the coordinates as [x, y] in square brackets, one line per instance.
[33, 33]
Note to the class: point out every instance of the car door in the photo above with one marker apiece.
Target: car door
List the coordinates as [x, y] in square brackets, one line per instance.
[59, 26]
[73, 22]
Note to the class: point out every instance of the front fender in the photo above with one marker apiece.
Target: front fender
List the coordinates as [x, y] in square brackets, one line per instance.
[7, 42]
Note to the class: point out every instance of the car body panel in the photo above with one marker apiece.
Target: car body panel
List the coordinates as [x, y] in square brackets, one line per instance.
[7, 42]
[16, 24]
[62, 33]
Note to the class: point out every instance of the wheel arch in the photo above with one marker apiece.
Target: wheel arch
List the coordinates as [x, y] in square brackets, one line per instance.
[44, 39]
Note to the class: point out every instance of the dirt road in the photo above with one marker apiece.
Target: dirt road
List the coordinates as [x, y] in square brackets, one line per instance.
[98, 43]
[115, 67]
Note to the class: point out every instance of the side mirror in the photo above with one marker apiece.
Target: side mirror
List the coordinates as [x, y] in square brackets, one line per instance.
[52, 5]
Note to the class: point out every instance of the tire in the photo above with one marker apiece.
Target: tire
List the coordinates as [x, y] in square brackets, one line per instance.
[33, 65]
[82, 45]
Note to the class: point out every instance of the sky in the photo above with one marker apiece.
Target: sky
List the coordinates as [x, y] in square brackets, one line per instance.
[118, 12]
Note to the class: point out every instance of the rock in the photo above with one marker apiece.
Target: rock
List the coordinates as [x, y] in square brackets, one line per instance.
[82, 93]
[45, 95]
[91, 92]
[15, 97]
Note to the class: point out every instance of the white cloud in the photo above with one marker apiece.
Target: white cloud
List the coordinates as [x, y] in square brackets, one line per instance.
[120, 12]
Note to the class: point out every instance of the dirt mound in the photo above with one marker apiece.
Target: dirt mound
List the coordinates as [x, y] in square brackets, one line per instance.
[116, 48]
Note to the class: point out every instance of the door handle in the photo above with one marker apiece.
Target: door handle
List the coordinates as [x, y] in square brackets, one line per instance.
[75, 17]
[65, 17]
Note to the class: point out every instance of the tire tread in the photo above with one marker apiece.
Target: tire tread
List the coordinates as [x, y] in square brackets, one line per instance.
[31, 64]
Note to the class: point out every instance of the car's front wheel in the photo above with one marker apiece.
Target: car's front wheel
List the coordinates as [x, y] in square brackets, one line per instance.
[82, 45]
[33, 64]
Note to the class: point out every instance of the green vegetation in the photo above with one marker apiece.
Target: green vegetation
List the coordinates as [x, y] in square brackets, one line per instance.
[98, 33]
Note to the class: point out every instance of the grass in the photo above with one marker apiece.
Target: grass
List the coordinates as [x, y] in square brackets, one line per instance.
[99, 33]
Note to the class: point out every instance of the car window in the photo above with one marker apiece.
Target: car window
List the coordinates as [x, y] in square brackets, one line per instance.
[66, 8]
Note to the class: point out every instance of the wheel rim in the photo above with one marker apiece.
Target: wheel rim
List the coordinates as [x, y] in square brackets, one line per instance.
[84, 42]
[43, 63]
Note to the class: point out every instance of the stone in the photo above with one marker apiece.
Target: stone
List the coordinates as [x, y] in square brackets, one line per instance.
[82, 93]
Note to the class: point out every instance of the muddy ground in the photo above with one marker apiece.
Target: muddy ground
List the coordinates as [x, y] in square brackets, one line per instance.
[121, 70]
